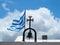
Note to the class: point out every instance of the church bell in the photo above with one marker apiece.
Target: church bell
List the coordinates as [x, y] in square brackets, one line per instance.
[29, 35]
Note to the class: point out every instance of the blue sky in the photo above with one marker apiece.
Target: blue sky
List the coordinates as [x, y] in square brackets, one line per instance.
[53, 5]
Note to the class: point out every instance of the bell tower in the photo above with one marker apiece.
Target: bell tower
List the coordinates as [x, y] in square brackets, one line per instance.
[29, 35]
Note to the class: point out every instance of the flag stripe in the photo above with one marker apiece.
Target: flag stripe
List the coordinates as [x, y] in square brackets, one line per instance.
[15, 24]
[16, 20]
[12, 26]
[21, 27]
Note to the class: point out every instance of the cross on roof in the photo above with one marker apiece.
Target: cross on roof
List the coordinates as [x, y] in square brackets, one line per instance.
[30, 19]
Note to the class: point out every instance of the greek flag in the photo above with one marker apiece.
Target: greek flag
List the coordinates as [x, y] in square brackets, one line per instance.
[18, 25]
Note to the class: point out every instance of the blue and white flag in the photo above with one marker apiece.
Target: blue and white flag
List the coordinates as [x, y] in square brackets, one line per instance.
[18, 25]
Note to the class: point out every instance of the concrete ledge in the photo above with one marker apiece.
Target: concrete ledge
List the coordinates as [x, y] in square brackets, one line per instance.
[29, 43]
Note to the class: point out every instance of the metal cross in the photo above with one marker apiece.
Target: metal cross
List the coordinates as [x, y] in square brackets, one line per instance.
[30, 21]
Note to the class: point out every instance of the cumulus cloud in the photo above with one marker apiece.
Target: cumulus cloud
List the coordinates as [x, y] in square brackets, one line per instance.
[44, 23]
[6, 35]
[4, 5]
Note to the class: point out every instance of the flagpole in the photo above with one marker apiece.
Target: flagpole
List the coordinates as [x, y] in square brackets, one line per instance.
[25, 17]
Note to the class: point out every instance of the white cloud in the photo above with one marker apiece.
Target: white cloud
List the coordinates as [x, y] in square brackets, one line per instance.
[6, 23]
[44, 23]
[4, 5]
